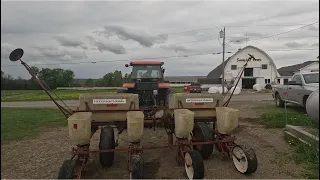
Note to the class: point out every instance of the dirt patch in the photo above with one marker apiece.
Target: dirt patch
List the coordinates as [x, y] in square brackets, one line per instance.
[42, 156]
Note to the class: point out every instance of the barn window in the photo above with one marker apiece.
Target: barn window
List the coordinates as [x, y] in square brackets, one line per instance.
[233, 67]
[267, 81]
[278, 80]
[264, 66]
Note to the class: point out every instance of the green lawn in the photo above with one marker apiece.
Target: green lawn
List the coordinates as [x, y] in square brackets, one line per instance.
[304, 154]
[18, 123]
[275, 117]
[40, 95]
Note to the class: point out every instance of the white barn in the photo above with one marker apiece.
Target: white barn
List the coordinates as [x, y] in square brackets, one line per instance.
[260, 71]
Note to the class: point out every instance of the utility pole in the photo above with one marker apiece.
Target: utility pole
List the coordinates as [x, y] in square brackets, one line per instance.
[223, 35]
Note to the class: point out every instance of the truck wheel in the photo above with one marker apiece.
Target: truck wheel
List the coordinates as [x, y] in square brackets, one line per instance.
[106, 142]
[279, 101]
[304, 101]
[194, 165]
[67, 169]
[136, 167]
[244, 159]
[202, 132]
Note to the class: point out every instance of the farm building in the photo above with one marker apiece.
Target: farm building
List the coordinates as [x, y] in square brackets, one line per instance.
[262, 70]
[287, 71]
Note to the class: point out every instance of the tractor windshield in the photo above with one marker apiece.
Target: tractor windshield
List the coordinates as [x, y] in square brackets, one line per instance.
[146, 71]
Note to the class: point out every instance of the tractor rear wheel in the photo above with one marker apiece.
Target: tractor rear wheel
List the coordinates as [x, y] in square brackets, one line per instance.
[202, 132]
[67, 169]
[106, 142]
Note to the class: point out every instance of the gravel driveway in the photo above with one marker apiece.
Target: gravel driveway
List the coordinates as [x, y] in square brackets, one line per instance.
[41, 157]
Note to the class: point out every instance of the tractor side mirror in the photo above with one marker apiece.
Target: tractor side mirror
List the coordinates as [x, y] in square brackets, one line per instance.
[126, 65]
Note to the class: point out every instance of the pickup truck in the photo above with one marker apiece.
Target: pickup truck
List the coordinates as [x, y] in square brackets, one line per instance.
[298, 89]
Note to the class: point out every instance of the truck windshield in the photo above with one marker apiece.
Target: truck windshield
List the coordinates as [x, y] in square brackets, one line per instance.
[311, 78]
[146, 71]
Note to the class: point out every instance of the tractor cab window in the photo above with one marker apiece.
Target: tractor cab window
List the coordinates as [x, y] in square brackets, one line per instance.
[146, 71]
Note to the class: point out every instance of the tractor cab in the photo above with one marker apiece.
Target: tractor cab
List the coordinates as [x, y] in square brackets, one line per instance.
[147, 80]
[146, 71]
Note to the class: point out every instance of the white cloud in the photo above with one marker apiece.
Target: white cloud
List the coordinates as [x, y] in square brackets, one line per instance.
[81, 31]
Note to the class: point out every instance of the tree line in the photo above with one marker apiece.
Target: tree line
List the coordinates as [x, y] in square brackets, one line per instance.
[58, 77]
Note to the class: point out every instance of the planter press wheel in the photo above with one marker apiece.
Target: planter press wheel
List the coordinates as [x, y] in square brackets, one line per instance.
[136, 167]
[202, 132]
[67, 169]
[244, 159]
[194, 165]
[106, 142]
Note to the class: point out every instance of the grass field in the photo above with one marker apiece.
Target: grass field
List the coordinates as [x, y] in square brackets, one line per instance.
[275, 117]
[40, 95]
[18, 123]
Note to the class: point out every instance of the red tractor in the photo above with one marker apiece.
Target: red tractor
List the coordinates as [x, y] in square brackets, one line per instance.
[147, 80]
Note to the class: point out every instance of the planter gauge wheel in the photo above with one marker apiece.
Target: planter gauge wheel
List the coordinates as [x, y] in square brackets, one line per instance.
[202, 132]
[106, 142]
[67, 169]
[136, 167]
[244, 159]
[194, 165]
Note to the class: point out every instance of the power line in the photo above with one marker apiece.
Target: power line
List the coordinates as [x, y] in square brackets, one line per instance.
[162, 57]
[148, 58]
[278, 37]
[283, 32]
[268, 25]
[307, 49]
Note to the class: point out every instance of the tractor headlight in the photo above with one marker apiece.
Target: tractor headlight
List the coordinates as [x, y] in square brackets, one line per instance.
[155, 92]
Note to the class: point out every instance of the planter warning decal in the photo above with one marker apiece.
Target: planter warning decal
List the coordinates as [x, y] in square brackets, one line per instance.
[199, 100]
[109, 101]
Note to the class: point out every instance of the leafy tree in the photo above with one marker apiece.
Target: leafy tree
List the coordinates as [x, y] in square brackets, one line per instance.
[89, 83]
[117, 79]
